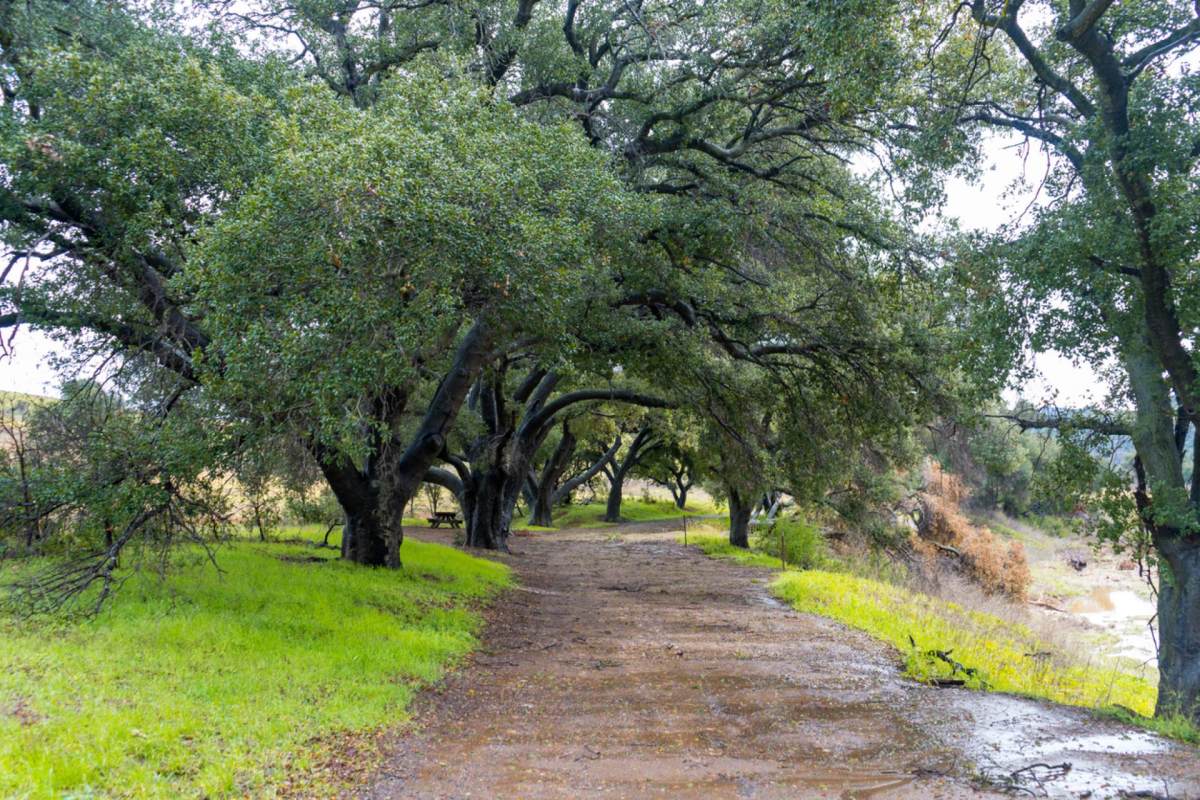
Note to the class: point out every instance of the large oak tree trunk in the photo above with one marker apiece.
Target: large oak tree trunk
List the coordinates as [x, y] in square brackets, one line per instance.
[612, 509]
[483, 523]
[363, 540]
[739, 520]
[374, 498]
[405, 474]
[1160, 470]
[357, 492]
[488, 509]
[542, 510]
[542, 506]
[1179, 628]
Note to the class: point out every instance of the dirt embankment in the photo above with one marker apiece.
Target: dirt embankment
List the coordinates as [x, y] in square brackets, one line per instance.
[627, 666]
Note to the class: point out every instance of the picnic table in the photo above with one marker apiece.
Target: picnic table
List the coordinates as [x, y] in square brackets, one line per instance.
[448, 517]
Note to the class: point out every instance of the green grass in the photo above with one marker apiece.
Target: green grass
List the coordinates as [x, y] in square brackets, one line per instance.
[1173, 727]
[801, 543]
[591, 515]
[313, 533]
[718, 546]
[995, 647]
[208, 685]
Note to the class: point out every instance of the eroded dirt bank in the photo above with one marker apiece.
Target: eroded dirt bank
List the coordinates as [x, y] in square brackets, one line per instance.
[627, 666]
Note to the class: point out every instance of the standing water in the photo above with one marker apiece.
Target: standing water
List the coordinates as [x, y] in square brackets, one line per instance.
[1124, 614]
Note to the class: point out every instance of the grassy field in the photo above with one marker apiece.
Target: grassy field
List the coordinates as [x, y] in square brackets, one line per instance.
[591, 515]
[207, 684]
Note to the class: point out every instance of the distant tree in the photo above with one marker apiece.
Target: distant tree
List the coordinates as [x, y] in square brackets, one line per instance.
[564, 471]
[314, 504]
[619, 467]
[260, 483]
[20, 460]
[515, 418]
[675, 469]
[1004, 466]
[681, 462]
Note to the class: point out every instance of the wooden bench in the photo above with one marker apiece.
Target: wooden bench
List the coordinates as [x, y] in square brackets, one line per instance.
[448, 517]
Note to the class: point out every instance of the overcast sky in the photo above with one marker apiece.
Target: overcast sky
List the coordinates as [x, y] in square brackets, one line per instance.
[1004, 190]
[985, 204]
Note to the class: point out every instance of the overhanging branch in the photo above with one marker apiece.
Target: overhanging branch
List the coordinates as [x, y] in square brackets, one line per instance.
[1059, 422]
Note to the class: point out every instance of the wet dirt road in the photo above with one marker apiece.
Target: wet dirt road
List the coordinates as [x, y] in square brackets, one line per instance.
[628, 667]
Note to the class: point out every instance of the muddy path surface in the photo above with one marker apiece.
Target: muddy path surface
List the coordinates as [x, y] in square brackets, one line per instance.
[629, 667]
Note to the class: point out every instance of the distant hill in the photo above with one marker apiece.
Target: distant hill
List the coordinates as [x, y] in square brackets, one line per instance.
[23, 401]
[32, 399]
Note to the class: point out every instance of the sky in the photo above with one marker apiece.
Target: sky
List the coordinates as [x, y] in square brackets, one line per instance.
[984, 203]
[27, 368]
[1005, 189]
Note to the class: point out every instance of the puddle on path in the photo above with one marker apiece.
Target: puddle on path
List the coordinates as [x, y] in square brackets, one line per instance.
[1008, 735]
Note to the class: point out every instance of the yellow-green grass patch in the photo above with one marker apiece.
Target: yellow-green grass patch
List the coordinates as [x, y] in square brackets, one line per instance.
[591, 515]
[1005, 655]
[202, 683]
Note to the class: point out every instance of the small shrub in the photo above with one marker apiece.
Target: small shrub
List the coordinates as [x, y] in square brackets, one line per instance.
[793, 540]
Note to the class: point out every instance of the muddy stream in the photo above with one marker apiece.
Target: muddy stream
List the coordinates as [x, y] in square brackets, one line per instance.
[628, 667]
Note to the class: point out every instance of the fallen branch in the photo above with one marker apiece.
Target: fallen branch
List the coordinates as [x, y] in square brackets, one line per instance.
[1051, 606]
[955, 667]
[946, 548]
[1053, 772]
[942, 683]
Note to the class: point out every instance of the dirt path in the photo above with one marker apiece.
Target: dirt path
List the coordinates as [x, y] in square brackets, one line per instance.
[627, 666]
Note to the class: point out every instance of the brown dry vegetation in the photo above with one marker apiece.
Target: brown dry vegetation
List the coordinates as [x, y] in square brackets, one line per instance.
[944, 533]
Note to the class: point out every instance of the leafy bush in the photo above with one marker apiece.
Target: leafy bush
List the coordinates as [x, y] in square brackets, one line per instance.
[792, 540]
